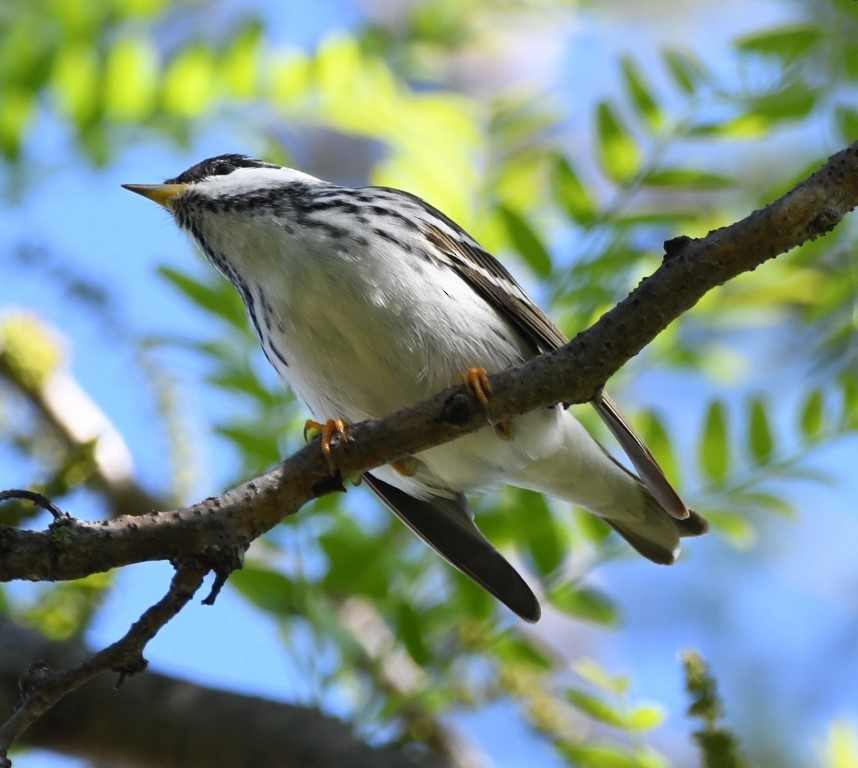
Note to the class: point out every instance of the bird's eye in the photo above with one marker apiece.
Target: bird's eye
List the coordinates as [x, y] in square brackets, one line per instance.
[223, 169]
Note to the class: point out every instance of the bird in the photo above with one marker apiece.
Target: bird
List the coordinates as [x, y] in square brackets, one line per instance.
[369, 299]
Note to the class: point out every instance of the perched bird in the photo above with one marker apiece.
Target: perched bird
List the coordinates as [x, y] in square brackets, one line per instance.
[369, 299]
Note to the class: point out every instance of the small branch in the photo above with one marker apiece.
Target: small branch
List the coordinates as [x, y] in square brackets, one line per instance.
[42, 688]
[39, 499]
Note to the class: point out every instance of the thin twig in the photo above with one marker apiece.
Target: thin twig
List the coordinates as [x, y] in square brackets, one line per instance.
[42, 688]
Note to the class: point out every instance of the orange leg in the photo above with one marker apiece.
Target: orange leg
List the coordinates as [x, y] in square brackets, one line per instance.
[477, 380]
[327, 430]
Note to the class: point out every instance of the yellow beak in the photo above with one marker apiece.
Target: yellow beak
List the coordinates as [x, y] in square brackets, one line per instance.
[159, 193]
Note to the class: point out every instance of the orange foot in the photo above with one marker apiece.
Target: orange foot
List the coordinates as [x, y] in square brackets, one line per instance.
[330, 428]
[478, 381]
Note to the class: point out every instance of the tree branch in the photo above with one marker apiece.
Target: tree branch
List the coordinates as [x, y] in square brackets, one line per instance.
[196, 726]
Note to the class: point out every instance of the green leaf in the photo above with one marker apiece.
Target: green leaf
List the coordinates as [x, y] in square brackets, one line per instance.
[570, 192]
[189, 82]
[216, 298]
[596, 674]
[735, 528]
[619, 153]
[788, 42]
[847, 123]
[793, 102]
[521, 650]
[526, 241]
[760, 442]
[240, 64]
[687, 178]
[409, 631]
[641, 95]
[813, 416]
[538, 531]
[686, 69]
[584, 603]
[655, 436]
[598, 755]
[267, 589]
[714, 447]
[645, 717]
[130, 80]
[596, 708]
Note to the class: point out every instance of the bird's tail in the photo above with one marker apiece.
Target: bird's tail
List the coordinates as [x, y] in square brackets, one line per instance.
[656, 534]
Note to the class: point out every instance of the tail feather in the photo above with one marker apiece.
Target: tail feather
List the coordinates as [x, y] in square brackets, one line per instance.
[656, 535]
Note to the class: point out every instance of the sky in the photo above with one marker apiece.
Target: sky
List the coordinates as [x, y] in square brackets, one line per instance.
[778, 621]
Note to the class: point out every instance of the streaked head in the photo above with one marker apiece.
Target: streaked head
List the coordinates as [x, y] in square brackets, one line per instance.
[221, 179]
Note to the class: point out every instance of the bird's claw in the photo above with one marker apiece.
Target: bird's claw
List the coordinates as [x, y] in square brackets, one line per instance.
[477, 380]
[327, 431]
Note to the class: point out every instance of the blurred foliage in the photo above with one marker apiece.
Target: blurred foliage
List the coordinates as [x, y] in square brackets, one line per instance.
[717, 745]
[676, 149]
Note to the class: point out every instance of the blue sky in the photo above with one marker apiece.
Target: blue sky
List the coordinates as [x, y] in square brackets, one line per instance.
[778, 622]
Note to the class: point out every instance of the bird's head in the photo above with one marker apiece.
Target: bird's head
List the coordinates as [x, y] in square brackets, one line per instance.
[225, 182]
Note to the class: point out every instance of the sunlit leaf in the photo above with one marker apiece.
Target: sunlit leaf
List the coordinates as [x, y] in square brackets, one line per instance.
[241, 62]
[645, 717]
[619, 152]
[598, 755]
[189, 82]
[130, 80]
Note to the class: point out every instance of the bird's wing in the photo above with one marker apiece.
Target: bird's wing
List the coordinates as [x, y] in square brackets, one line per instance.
[446, 526]
[495, 284]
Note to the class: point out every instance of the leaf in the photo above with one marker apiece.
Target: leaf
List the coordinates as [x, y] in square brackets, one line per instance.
[526, 241]
[714, 448]
[570, 192]
[787, 42]
[598, 755]
[130, 80]
[847, 123]
[641, 95]
[217, 298]
[686, 69]
[735, 528]
[595, 707]
[656, 437]
[687, 178]
[538, 531]
[645, 717]
[619, 153]
[189, 82]
[813, 416]
[596, 674]
[793, 102]
[267, 589]
[409, 631]
[760, 442]
[584, 603]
